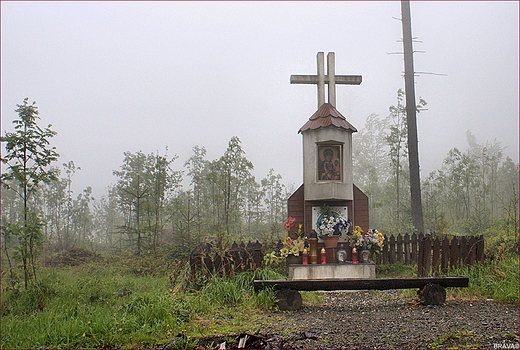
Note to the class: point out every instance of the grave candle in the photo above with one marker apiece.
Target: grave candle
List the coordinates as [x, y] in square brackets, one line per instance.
[313, 242]
[323, 256]
[305, 257]
[354, 256]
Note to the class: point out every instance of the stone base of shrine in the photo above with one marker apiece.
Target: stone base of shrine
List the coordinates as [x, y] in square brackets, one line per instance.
[344, 270]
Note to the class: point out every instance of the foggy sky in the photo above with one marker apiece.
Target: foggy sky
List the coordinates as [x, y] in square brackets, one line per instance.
[128, 76]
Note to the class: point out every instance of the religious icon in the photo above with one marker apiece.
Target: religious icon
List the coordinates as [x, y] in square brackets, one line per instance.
[329, 162]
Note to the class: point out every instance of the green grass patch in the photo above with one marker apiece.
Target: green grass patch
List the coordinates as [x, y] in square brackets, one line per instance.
[455, 340]
[311, 298]
[493, 280]
[399, 269]
[107, 306]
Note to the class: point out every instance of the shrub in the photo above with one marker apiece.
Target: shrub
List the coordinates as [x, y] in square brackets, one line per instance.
[502, 240]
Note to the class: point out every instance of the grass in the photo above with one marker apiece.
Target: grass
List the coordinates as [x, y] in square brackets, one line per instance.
[453, 340]
[123, 305]
[98, 306]
[85, 308]
[311, 298]
[399, 269]
[492, 280]
[497, 280]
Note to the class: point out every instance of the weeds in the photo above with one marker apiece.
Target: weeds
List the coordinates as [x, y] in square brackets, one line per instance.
[440, 343]
[106, 306]
[498, 281]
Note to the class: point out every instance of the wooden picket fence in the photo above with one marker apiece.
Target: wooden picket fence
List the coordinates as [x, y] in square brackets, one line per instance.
[240, 257]
[433, 255]
[436, 255]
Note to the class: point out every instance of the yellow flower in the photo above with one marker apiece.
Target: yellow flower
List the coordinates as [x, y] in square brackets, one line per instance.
[284, 252]
[295, 251]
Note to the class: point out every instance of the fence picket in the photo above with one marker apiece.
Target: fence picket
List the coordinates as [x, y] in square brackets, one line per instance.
[463, 247]
[414, 247]
[217, 262]
[436, 256]
[407, 257]
[391, 248]
[472, 254]
[445, 255]
[454, 253]
[386, 251]
[427, 255]
[420, 260]
[399, 248]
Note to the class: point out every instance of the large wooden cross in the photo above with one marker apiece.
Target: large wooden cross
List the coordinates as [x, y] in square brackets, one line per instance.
[331, 79]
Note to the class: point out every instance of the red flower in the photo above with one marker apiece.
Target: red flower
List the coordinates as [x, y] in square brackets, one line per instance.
[289, 224]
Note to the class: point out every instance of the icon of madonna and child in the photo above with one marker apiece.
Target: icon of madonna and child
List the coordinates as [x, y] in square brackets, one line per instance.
[329, 163]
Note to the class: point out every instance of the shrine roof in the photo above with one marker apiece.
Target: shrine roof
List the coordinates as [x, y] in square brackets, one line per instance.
[327, 115]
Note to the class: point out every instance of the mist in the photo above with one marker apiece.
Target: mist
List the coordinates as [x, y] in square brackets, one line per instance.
[113, 77]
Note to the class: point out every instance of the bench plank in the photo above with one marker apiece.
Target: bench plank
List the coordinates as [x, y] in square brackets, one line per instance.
[362, 283]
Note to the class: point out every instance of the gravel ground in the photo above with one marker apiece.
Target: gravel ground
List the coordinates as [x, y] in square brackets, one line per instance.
[387, 320]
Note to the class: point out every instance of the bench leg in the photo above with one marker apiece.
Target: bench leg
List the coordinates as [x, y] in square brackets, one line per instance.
[288, 299]
[432, 294]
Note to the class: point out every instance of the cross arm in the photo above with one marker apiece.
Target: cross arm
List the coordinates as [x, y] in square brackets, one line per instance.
[339, 79]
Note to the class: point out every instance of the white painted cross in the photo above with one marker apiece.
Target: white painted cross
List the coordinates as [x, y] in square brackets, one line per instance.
[331, 79]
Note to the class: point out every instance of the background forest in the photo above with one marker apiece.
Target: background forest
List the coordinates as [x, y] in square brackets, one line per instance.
[148, 209]
[130, 284]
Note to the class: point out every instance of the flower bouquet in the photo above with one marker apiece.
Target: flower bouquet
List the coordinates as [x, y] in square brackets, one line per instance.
[331, 223]
[333, 226]
[373, 239]
[291, 247]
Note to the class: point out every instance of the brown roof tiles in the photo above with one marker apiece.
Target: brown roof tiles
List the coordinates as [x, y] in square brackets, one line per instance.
[325, 116]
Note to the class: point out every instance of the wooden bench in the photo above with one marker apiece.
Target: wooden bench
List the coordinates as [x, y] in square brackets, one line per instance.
[431, 289]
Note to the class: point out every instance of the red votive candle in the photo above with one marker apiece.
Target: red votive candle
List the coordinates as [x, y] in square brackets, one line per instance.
[305, 257]
[323, 256]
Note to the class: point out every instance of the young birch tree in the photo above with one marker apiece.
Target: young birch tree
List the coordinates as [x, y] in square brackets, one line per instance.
[28, 157]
